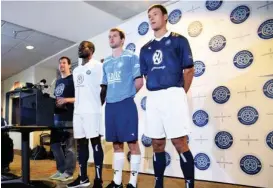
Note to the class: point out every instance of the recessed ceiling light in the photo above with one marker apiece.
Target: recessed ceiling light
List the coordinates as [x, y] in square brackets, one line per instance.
[29, 47]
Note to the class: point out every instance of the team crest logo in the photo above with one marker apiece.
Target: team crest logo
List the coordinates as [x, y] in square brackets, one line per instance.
[143, 28]
[143, 103]
[269, 140]
[158, 57]
[268, 89]
[200, 118]
[243, 59]
[195, 28]
[202, 161]
[221, 94]
[120, 64]
[239, 14]
[175, 16]
[80, 79]
[168, 158]
[223, 140]
[59, 90]
[213, 5]
[168, 42]
[88, 72]
[199, 68]
[146, 141]
[217, 43]
[250, 164]
[265, 31]
[248, 115]
[131, 47]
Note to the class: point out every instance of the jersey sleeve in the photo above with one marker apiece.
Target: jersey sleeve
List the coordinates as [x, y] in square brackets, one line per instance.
[186, 54]
[72, 88]
[104, 76]
[135, 67]
[143, 65]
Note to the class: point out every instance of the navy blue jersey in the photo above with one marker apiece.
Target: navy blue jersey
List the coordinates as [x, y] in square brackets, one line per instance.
[65, 88]
[163, 61]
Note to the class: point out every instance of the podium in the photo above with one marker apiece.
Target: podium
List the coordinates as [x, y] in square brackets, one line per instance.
[35, 108]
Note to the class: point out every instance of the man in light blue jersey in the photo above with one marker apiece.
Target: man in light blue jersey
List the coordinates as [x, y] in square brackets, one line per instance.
[121, 81]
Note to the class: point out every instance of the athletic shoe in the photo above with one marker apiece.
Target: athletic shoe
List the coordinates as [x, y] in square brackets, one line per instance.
[79, 183]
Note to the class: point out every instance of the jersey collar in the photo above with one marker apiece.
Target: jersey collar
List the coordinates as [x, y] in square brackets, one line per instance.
[166, 35]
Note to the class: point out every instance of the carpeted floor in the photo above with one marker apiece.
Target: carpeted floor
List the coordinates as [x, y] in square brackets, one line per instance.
[41, 170]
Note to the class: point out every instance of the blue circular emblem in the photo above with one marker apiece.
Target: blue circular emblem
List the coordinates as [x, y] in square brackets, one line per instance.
[223, 140]
[239, 14]
[88, 72]
[248, 115]
[265, 31]
[268, 89]
[175, 16]
[195, 28]
[168, 158]
[213, 5]
[143, 28]
[129, 156]
[250, 164]
[143, 103]
[199, 68]
[217, 43]
[131, 47]
[202, 161]
[269, 140]
[146, 141]
[221, 94]
[243, 59]
[200, 118]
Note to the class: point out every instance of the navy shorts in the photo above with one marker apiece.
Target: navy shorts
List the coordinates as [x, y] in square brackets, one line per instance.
[121, 121]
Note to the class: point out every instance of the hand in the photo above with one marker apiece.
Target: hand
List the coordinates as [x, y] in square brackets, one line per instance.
[61, 101]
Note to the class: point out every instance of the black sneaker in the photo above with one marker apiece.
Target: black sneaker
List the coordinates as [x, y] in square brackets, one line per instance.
[97, 183]
[113, 185]
[79, 183]
[129, 185]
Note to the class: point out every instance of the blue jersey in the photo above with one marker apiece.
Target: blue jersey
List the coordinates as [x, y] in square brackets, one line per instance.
[119, 75]
[162, 61]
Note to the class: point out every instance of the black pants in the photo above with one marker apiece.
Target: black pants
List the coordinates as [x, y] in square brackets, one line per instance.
[7, 152]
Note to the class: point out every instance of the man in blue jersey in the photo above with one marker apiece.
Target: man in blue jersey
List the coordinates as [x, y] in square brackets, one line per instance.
[166, 62]
[122, 80]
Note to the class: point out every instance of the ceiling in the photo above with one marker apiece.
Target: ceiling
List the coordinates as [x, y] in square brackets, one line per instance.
[52, 26]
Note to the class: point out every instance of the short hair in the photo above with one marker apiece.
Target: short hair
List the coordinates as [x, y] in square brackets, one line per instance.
[67, 58]
[161, 7]
[90, 45]
[121, 33]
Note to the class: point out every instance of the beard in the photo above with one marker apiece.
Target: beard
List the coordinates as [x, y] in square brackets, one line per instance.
[84, 55]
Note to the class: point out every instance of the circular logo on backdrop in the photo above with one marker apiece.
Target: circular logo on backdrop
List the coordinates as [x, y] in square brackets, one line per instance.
[143, 28]
[88, 72]
[248, 115]
[200, 118]
[59, 90]
[199, 68]
[80, 79]
[217, 43]
[265, 31]
[195, 28]
[143, 103]
[202, 161]
[269, 139]
[131, 47]
[243, 59]
[157, 57]
[175, 16]
[239, 14]
[146, 141]
[213, 5]
[168, 158]
[221, 94]
[223, 140]
[268, 89]
[250, 164]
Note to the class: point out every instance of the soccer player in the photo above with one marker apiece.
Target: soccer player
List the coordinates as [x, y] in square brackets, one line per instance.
[87, 114]
[64, 93]
[166, 62]
[121, 81]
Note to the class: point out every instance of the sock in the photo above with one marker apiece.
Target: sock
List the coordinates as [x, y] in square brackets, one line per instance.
[159, 160]
[98, 159]
[187, 166]
[135, 163]
[83, 158]
[118, 167]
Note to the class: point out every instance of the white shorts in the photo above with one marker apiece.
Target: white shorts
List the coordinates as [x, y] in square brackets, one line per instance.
[87, 125]
[167, 113]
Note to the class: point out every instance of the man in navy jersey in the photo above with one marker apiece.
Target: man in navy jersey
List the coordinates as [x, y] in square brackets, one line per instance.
[166, 62]
[64, 93]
